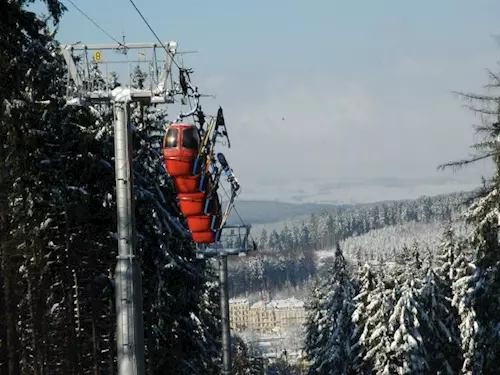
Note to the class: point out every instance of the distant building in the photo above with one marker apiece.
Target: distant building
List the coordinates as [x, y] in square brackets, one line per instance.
[266, 316]
[239, 311]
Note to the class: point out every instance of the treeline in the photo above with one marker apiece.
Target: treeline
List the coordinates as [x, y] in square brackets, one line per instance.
[326, 229]
[58, 222]
[286, 258]
[270, 273]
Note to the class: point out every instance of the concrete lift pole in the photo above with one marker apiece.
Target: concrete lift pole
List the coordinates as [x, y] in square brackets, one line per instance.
[128, 283]
[224, 310]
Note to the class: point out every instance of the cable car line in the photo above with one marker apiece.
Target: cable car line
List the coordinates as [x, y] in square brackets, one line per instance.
[94, 22]
[155, 35]
[184, 78]
[235, 210]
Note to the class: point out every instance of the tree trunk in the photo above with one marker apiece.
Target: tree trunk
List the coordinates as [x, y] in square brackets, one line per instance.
[71, 338]
[149, 332]
[44, 349]
[10, 316]
[95, 342]
[8, 275]
[33, 318]
[70, 285]
[3, 333]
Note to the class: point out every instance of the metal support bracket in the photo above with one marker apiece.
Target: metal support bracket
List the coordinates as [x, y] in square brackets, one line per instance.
[85, 89]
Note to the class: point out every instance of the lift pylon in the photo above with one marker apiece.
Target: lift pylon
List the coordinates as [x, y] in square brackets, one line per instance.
[87, 84]
[236, 242]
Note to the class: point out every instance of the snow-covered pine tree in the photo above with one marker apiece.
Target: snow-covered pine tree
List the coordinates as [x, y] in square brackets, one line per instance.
[367, 282]
[313, 227]
[20, 31]
[286, 238]
[239, 354]
[462, 271]
[481, 303]
[305, 236]
[263, 239]
[335, 357]
[77, 180]
[54, 215]
[443, 341]
[246, 359]
[316, 332]
[440, 332]
[376, 336]
[484, 214]
[407, 352]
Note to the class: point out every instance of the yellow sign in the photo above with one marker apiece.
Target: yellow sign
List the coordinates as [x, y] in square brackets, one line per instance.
[98, 56]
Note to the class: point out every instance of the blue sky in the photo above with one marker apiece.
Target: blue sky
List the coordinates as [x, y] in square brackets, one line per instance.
[347, 98]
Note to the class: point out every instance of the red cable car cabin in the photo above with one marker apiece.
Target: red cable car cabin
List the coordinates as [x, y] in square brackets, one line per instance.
[205, 228]
[180, 149]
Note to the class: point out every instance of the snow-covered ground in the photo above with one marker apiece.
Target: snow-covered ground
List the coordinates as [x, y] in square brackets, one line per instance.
[383, 241]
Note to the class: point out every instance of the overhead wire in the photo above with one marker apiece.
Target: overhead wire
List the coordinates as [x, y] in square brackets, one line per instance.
[155, 35]
[94, 22]
[235, 210]
[163, 46]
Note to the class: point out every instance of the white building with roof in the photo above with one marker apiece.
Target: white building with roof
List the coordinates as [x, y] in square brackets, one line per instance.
[266, 316]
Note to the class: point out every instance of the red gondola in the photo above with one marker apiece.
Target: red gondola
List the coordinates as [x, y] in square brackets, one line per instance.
[184, 154]
[180, 149]
[192, 204]
[204, 237]
[200, 223]
[204, 227]
[187, 184]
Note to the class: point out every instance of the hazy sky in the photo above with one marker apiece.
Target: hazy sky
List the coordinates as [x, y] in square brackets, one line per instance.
[353, 98]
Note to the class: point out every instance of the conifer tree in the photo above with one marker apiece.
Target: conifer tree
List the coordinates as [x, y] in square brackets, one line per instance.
[481, 290]
[335, 357]
[376, 335]
[367, 282]
[316, 332]
[407, 352]
[440, 332]
[444, 337]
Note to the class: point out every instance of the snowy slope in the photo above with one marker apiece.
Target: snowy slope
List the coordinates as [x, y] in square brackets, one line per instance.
[381, 242]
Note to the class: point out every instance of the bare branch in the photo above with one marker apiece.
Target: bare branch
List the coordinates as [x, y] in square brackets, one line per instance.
[494, 78]
[456, 165]
[483, 128]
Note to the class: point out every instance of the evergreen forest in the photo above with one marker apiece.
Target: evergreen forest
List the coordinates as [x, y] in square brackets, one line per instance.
[420, 309]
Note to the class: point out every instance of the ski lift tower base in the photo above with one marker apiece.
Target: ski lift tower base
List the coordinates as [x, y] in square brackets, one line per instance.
[217, 250]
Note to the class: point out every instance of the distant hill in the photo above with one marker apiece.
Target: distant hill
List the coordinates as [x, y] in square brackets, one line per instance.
[263, 212]
[273, 215]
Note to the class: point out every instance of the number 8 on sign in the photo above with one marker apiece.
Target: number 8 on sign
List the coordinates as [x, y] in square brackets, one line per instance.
[98, 56]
